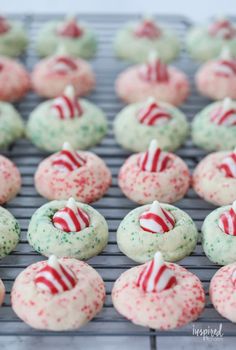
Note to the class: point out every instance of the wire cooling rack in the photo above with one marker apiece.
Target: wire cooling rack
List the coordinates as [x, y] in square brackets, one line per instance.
[114, 206]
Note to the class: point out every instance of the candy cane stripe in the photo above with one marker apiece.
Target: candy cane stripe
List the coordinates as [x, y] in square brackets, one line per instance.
[153, 114]
[156, 219]
[42, 281]
[155, 276]
[228, 165]
[227, 221]
[154, 160]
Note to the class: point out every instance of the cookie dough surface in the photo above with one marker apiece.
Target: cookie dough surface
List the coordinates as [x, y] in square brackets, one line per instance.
[14, 41]
[9, 234]
[222, 292]
[219, 247]
[49, 132]
[48, 41]
[10, 180]
[144, 187]
[211, 136]
[140, 245]
[127, 46]
[85, 184]
[11, 124]
[136, 137]
[131, 88]
[46, 239]
[168, 309]
[204, 47]
[211, 183]
[60, 312]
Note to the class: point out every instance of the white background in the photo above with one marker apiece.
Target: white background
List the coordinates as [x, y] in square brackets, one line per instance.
[197, 10]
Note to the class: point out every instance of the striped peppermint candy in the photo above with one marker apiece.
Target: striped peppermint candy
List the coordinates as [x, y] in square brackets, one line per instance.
[225, 114]
[55, 277]
[156, 219]
[227, 221]
[154, 70]
[226, 65]
[67, 106]
[156, 276]
[148, 29]
[4, 25]
[153, 114]
[64, 65]
[233, 277]
[228, 165]
[68, 159]
[154, 160]
[70, 29]
[71, 218]
[222, 28]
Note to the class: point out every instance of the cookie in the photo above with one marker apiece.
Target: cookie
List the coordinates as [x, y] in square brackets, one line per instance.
[222, 291]
[214, 128]
[153, 78]
[157, 227]
[159, 295]
[78, 40]
[11, 125]
[217, 78]
[13, 38]
[64, 118]
[206, 42]
[10, 180]
[138, 124]
[136, 40]
[58, 294]
[218, 235]
[214, 178]
[9, 236]
[154, 175]
[2, 292]
[69, 173]
[68, 229]
[51, 75]
[14, 80]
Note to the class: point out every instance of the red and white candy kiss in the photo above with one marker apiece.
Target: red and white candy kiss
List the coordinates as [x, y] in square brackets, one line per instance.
[225, 114]
[228, 165]
[222, 28]
[55, 277]
[227, 221]
[154, 71]
[153, 114]
[226, 65]
[4, 25]
[63, 63]
[148, 29]
[71, 218]
[68, 159]
[70, 29]
[156, 276]
[67, 105]
[156, 219]
[233, 277]
[154, 160]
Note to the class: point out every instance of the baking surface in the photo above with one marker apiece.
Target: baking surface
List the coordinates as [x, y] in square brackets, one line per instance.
[114, 206]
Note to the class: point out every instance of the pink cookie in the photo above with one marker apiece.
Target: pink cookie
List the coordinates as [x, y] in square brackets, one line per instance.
[2, 292]
[154, 175]
[51, 76]
[214, 179]
[10, 180]
[217, 78]
[223, 291]
[68, 173]
[159, 295]
[14, 80]
[58, 295]
[167, 84]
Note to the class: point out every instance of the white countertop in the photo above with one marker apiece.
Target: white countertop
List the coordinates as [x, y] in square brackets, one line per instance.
[195, 10]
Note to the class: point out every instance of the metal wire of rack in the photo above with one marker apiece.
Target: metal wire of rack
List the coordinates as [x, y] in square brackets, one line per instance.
[114, 206]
